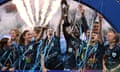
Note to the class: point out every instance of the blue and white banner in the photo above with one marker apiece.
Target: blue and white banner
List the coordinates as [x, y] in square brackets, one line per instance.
[110, 9]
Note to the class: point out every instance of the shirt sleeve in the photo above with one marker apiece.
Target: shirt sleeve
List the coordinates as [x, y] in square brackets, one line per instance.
[57, 43]
[42, 48]
[56, 39]
[1, 65]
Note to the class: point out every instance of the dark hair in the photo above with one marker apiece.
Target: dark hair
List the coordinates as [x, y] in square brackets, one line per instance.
[21, 39]
[48, 29]
[64, 1]
[3, 43]
[116, 34]
[37, 29]
[96, 22]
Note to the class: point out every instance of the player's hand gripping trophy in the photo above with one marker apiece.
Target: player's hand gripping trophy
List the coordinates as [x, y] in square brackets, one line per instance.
[64, 7]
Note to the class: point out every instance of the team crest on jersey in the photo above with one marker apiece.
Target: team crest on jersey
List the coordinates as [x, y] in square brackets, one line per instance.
[52, 44]
[30, 47]
[114, 54]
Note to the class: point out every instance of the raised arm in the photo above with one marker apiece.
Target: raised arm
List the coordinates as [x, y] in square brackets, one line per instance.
[103, 64]
[44, 69]
[83, 19]
[100, 29]
[65, 32]
[40, 35]
[66, 23]
[57, 33]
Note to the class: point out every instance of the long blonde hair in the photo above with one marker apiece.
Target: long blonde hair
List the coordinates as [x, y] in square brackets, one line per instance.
[17, 34]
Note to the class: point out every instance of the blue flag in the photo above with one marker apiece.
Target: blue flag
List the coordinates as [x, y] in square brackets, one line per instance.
[3, 1]
[110, 9]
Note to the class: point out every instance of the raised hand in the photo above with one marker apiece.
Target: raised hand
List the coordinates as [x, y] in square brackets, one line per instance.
[100, 17]
[64, 7]
[81, 9]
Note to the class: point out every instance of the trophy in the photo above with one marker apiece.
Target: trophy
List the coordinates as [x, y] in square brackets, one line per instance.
[64, 7]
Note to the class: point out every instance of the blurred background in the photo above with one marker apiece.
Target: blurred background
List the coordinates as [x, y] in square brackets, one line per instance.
[10, 17]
